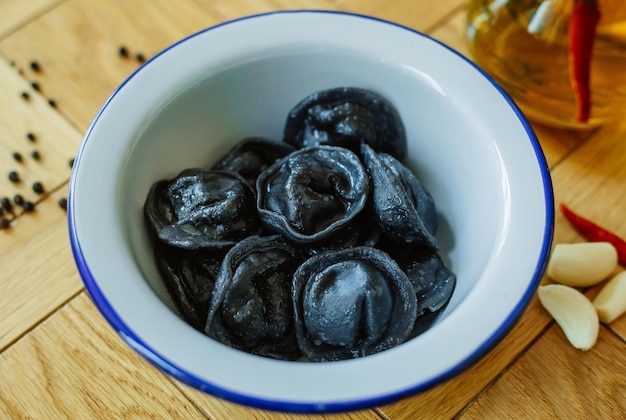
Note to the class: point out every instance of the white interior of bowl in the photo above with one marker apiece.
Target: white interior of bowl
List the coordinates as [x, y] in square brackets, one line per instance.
[188, 105]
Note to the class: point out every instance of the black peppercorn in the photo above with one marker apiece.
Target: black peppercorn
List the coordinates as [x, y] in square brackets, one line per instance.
[38, 187]
[63, 203]
[71, 163]
[13, 176]
[31, 136]
[28, 206]
[17, 156]
[34, 65]
[52, 103]
[123, 51]
[35, 155]
[25, 95]
[35, 86]
[6, 203]
[140, 57]
[4, 223]
[18, 199]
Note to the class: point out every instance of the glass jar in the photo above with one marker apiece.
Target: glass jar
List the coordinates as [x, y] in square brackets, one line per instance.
[524, 45]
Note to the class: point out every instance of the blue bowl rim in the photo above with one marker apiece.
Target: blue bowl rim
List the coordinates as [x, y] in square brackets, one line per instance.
[190, 379]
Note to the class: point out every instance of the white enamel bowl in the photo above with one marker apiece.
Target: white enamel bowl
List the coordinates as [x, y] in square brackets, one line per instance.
[468, 143]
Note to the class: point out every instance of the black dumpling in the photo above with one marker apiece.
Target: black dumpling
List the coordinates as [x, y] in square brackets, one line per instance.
[361, 231]
[251, 156]
[251, 306]
[434, 285]
[406, 212]
[312, 193]
[346, 117]
[201, 208]
[189, 278]
[351, 303]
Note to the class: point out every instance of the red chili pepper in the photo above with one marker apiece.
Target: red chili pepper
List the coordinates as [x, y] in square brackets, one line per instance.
[594, 233]
[582, 34]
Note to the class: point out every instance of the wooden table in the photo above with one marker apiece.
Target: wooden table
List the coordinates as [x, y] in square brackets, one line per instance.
[58, 356]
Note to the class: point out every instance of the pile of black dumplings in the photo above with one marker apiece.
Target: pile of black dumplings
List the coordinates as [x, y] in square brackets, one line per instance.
[321, 246]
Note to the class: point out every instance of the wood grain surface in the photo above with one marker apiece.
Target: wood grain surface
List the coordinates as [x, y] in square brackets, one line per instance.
[58, 356]
[16, 13]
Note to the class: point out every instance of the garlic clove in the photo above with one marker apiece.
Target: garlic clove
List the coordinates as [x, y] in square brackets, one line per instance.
[573, 312]
[582, 264]
[610, 302]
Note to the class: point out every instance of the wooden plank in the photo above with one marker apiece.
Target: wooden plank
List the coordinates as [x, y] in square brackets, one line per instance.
[14, 13]
[83, 67]
[557, 144]
[38, 271]
[592, 179]
[75, 366]
[56, 141]
[554, 380]
[231, 9]
[420, 15]
[448, 399]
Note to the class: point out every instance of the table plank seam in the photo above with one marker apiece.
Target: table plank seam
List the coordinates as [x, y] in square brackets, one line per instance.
[380, 412]
[33, 327]
[32, 18]
[49, 192]
[445, 19]
[586, 138]
[505, 369]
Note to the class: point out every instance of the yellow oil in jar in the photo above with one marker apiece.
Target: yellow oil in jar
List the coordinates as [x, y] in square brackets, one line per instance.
[524, 46]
